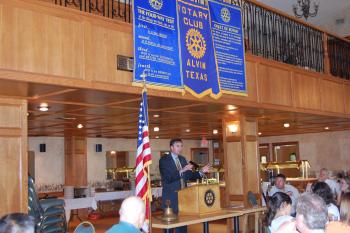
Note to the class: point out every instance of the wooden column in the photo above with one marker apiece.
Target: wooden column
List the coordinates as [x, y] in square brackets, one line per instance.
[13, 156]
[75, 161]
[241, 160]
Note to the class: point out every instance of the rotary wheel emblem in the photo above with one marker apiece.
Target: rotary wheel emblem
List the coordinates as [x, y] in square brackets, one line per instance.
[225, 15]
[195, 43]
[209, 198]
[156, 4]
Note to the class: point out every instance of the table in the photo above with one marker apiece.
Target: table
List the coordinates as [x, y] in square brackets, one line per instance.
[118, 195]
[91, 202]
[78, 203]
[185, 220]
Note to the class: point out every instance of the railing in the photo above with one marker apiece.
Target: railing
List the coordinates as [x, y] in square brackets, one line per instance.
[267, 33]
[339, 57]
[277, 37]
[114, 9]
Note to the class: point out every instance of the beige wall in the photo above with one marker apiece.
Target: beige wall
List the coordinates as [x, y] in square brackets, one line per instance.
[49, 166]
[329, 149]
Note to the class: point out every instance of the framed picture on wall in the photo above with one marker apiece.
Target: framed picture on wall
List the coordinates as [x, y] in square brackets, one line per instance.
[200, 155]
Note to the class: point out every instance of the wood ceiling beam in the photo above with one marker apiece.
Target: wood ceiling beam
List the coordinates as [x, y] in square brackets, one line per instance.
[50, 94]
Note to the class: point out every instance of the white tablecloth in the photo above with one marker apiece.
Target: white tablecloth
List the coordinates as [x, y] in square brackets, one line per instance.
[91, 202]
[79, 203]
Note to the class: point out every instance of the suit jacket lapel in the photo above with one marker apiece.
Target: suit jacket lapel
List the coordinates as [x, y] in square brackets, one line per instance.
[172, 162]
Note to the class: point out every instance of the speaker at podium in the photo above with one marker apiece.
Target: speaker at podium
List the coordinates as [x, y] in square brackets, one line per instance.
[199, 199]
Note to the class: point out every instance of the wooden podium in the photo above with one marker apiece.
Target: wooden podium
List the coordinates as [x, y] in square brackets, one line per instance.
[199, 199]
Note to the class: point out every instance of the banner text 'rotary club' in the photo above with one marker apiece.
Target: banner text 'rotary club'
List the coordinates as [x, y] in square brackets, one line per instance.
[193, 19]
[193, 15]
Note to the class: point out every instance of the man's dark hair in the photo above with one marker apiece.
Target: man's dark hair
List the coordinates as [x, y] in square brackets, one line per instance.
[175, 140]
[324, 191]
[281, 176]
[17, 223]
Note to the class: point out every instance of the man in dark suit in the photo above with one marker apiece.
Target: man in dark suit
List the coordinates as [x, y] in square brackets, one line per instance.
[175, 171]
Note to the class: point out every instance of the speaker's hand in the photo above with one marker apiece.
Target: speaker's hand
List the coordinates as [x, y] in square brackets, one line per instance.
[188, 167]
[206, 168]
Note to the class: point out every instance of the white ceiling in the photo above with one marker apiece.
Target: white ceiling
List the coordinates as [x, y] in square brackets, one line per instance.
[329, 11]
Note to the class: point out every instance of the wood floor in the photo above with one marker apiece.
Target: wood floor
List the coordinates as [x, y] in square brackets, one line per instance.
[104, 224]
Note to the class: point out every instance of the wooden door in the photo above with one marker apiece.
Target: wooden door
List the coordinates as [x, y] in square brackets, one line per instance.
[13, 156]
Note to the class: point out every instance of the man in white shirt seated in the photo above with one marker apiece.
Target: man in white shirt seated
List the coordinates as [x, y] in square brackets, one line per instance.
[281, 186]
[333, 184]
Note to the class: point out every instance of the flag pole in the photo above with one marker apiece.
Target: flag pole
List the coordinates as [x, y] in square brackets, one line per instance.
[149, 191]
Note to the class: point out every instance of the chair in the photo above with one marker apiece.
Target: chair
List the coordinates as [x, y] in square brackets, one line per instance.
[85, 227]
[49, 214]
[258, 217]
[252, 199]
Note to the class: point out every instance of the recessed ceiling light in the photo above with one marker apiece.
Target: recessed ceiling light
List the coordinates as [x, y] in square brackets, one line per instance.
[326, 128]
[231, 107]
[80, 126]
[156, 129]
[259, 133]
[43, 107]
[156, 115]
[286, 125]
[188, 130]
[215, 131]
[113, 152]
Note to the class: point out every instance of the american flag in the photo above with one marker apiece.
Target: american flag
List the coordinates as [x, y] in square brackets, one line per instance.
[143, 156]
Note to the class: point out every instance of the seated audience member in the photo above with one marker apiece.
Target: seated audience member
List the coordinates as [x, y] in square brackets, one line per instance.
[333, 184]
[132, 216]
[345, 184]
[17, 223]
[323, 190]
[280, 207]
[311, 216]
[281, 186]
[344, 225]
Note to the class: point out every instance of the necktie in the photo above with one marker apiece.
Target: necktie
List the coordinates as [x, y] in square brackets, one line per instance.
[179, 167]
[178, 164]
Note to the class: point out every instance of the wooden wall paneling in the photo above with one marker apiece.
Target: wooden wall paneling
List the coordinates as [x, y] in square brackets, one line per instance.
[13, 156]
[252, 155]
[347, 98]
[75, 161]
[253, 167]
[234, 185]
[274, 85]
[332, 96]
[102, 47]
[306, 91]
[244, 162]
[250, 160]
[67, 47]
[41, 43]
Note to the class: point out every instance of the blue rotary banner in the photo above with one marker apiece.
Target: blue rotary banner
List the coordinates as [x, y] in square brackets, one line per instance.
[156, 51]
[198, 63]
[226, 24]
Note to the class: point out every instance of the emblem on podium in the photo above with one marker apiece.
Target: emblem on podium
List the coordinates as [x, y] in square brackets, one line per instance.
[209, 198]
